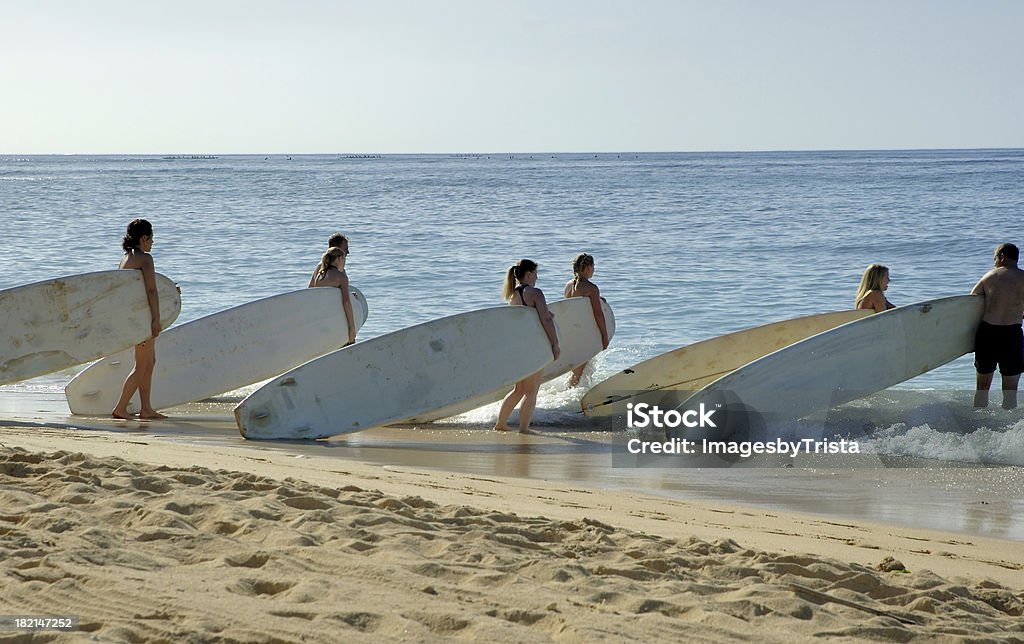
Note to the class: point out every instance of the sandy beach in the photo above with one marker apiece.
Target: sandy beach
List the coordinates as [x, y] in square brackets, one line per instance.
[147, 537]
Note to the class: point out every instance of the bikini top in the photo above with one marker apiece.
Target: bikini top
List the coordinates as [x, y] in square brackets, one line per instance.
[519, 289]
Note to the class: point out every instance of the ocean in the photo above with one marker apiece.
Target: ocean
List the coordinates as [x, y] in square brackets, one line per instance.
[688, 246]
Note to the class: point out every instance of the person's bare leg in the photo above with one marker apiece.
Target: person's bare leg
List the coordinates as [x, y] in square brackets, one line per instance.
[531, 387]
[131, 385]
[127, 391]
[145, 362]
[984, 381]
[1010, 391]
[577, 374]
[507, 405]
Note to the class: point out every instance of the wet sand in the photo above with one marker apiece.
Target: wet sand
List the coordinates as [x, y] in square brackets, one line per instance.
[973, 500]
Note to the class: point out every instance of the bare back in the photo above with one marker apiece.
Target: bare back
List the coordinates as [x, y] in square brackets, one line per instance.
[579, 287]
[1003, 288]
[524, 295]
[533, 297]
[136, 259]
[874, 300]
[582, 287]
[332, 277]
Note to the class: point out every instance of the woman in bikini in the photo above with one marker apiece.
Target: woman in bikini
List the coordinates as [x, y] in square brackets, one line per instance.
[331, 273]
[871, 293]
[137, 242]
[520, 290]
[581, 286]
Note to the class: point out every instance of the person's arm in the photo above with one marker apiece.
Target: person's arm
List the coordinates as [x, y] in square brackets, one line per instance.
[595, 304]
[979, 288]
[546, 320]
[149, 280]
[346, 306]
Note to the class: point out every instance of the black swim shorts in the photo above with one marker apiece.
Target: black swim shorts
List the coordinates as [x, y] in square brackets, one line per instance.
[1002, 344]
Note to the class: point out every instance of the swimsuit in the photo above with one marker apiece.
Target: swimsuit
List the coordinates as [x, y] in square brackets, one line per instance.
[519, 289]
[1001, 344]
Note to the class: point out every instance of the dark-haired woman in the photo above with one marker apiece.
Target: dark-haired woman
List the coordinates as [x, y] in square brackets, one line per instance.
[137, 242]
[581, 286]
[331, 273]
[520, 290]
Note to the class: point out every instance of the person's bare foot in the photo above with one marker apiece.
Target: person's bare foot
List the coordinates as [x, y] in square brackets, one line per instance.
[120, 415]
[502, 428]
[151, 414]
[527, 431]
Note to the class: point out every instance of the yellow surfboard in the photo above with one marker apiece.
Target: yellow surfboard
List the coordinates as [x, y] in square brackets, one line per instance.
[693, 366]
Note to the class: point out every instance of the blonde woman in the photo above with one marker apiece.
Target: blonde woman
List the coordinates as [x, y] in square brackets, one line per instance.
[331, 273]
[581, 286]
[871, 293]
[520, 290]
[337, 240]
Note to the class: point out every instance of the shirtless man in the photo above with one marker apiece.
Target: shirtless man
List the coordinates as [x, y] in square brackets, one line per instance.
[999, 338]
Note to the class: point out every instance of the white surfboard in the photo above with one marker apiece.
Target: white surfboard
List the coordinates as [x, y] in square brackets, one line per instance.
[850, 361]
[693, 366]
[399, 375]
[579, 340]
[59, 323]
[224, 351]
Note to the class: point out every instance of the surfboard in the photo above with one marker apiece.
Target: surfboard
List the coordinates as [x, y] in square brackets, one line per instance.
[850, 361]
[400, 375]
[579, 340]
[693, 366]
[224, 351]
[59, 323]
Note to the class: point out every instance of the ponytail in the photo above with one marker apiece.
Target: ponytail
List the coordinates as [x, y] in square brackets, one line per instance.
[580, 263]
[515, 274]
[328, 259]
[509, 286]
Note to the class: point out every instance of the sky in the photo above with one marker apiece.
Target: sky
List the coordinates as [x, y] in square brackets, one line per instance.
[478, 76]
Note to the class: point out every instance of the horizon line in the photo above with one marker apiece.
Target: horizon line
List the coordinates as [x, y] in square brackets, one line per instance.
[509, 153]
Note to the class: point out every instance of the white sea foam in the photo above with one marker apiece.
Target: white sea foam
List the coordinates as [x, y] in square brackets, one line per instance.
[995, 446]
